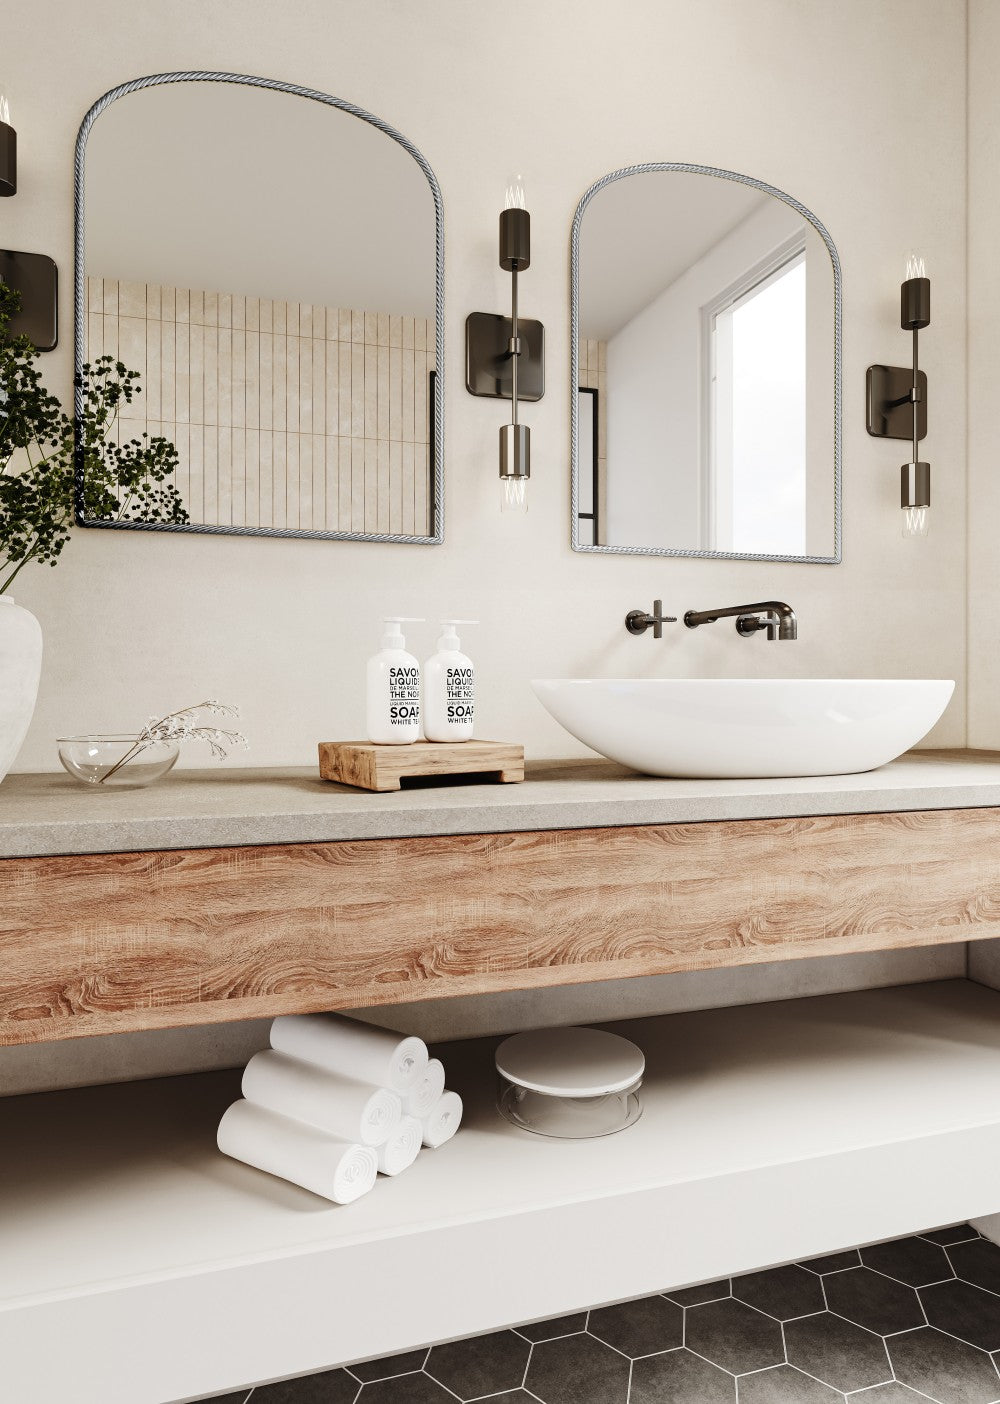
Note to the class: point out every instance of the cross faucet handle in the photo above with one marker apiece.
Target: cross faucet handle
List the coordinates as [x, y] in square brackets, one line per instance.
[637, 621]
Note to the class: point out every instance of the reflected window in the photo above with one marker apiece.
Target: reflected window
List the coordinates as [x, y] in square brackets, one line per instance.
[756, 420]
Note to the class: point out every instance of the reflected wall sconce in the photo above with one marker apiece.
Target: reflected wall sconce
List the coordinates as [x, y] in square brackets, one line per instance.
[505, 356]
[8, 148]
[897, 401]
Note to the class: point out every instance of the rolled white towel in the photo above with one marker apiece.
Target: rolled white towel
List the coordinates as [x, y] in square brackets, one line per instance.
[402, 1148]
[340, 1106]
[333, 1169]
[426, 1090]
[352, 1049]
[443, 1120]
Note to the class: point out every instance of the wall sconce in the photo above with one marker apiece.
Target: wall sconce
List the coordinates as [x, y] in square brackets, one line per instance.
[36, 278]
[505, 356]
[8, 149]
[897, 401]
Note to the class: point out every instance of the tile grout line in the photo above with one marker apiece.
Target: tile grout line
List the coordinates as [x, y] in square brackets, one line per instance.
[527, 1363]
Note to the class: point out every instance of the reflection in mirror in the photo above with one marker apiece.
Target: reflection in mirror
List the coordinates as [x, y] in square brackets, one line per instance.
[269, 261]
[706, 350]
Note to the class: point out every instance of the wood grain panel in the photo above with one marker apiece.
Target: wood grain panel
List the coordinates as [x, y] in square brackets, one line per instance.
[112, 942]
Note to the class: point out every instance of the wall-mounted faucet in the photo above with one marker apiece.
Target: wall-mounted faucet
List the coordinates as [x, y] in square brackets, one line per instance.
[775, 616]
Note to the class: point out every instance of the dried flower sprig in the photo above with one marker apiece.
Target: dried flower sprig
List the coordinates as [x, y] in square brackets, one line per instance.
[185, 726]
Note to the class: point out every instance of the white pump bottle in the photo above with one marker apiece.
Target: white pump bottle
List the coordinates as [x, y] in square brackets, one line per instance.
[450, 688]
[394, 688]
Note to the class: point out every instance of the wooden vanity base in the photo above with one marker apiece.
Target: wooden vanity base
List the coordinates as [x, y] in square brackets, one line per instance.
[99, 944]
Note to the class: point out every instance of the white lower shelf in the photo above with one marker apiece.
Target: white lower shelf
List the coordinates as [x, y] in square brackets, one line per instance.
[138, 1266]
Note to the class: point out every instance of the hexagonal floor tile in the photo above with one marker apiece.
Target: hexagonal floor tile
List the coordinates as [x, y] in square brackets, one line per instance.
[680, 1378]
[331, 1387]
[734, 1335]
[944, 1369]
[910, 1260]
[878, 1303]
[643, 1327]
[833, 1262]
[483, 1365]
[964, 1311]
[704, 1292]
[786, 1385]
[894, 1393]
[954, 1233]
[404, 1389]
[516, 1396]
[389, 1366]
[977, 1262]
[553, 1329]
[837, 1352]
[577, 1370]
[784, 1292]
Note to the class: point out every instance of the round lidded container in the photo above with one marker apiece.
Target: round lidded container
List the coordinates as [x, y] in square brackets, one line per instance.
[573, 1084]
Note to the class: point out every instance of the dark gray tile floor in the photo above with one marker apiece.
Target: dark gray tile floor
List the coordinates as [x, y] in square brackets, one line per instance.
[913, 1320]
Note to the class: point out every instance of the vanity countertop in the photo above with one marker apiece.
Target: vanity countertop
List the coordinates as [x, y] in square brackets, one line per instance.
[44, 815]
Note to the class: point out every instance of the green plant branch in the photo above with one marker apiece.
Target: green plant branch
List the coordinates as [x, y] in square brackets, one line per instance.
[134, 481]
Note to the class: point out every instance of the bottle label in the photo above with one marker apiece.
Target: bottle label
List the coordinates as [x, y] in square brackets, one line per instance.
[404, 696]
[460, 687]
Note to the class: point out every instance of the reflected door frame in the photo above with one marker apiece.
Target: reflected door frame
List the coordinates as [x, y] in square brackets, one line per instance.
[591, 473]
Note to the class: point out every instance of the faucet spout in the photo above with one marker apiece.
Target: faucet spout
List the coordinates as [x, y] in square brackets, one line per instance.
[775, 616]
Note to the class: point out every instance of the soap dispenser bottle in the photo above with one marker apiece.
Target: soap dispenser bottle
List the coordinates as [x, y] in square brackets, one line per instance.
[394, 688]
[450, 688]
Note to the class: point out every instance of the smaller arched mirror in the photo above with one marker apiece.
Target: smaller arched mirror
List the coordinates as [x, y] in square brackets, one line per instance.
[269, 260]
[706, 369]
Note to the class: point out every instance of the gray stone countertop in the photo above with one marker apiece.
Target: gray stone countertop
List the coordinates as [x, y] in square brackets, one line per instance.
[53, 814]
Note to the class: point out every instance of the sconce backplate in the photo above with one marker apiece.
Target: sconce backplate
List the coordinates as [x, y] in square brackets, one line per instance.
[488, 360]
[36, 279]
[889, 410]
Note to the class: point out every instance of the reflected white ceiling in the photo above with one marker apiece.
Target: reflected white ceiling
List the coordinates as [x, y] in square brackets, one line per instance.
[246, 190]
[641, 233]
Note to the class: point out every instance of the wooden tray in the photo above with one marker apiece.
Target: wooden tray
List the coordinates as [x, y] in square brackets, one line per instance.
[370, 766]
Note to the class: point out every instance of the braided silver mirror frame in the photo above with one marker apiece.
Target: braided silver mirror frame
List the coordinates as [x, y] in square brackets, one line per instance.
[796, 205]
[247, 80]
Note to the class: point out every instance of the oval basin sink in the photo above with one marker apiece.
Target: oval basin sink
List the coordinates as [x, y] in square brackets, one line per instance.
[743, 728]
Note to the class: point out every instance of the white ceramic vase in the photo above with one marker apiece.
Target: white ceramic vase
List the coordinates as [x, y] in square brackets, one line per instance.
[20, 669]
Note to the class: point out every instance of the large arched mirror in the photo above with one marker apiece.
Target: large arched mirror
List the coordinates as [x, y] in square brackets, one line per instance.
[269, 260]
[706, 311]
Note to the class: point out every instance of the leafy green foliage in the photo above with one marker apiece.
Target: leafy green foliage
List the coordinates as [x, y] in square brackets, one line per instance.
[128, 482]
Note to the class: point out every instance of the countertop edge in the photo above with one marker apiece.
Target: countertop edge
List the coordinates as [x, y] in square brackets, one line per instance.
[439, 818]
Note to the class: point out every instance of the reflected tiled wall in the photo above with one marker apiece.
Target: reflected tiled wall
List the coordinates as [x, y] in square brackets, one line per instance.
[283, 414]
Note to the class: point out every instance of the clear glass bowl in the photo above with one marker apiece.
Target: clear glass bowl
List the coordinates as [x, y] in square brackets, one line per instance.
[569, 1118]
[100, 761]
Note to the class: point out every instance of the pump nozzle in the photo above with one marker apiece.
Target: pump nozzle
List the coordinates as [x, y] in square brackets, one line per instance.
[449, 640]
[393, 636]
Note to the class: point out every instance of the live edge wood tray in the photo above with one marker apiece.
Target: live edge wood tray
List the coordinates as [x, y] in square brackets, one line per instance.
[104, 943]
[369, 766]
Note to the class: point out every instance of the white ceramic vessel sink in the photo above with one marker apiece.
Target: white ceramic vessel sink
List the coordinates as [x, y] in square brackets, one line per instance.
[742, 728]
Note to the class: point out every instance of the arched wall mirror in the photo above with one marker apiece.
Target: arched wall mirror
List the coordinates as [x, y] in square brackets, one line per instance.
[706, 364]
[270, 260]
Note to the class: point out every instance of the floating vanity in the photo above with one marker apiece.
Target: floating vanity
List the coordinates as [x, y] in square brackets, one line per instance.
[210, 898]
[769, 1133]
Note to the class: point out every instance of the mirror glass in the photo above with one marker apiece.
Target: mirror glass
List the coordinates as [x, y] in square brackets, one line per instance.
[707, 365]
[268, 262]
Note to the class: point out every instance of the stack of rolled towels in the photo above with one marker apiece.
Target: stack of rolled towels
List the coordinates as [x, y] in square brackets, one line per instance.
[333, 1103]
